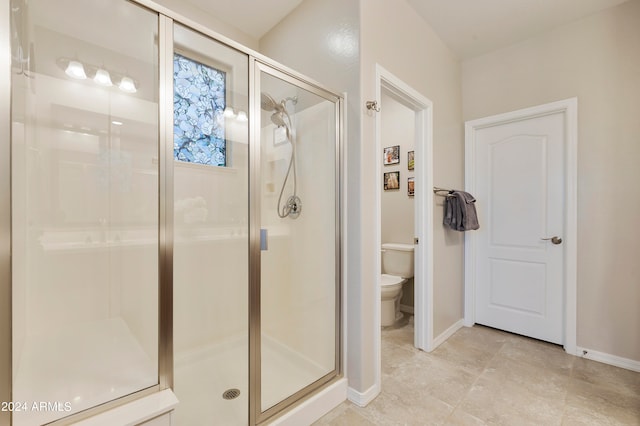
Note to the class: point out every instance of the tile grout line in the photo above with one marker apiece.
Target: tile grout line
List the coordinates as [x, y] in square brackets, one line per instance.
[474, 382]
[566, 395]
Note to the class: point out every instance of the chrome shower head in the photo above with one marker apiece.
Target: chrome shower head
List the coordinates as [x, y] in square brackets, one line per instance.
[280, 116]
[267, 103]
[277, 118]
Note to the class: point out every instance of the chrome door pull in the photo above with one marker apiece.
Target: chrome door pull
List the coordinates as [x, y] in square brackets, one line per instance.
[554, 240]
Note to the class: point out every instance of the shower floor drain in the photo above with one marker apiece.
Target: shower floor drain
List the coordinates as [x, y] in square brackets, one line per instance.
[231, 394]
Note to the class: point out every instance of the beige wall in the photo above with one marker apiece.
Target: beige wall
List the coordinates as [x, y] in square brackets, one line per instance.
[596, 59]
[390, 35]
[397, 127]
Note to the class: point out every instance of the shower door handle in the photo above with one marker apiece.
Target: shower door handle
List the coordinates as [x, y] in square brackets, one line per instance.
[264, 236]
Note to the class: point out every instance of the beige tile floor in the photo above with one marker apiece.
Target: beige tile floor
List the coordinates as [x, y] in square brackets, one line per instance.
[482, 376]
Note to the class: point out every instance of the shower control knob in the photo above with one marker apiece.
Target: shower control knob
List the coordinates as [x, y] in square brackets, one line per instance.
[294, 206]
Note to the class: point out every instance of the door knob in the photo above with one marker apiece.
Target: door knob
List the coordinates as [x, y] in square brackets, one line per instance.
[554, 240]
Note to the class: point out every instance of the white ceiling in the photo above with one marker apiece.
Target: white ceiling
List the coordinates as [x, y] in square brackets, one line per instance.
[474, 27]
[469, 27]
[254, 17]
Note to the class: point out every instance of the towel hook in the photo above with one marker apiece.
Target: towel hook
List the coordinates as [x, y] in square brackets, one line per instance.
[373, 105]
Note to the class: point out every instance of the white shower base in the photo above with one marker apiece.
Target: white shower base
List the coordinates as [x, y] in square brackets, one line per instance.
[78, 368]
[110, 364]
[202, 376]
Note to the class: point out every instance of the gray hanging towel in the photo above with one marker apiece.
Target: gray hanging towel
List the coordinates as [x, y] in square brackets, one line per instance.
[450, 204]
[468, 208]
[453, 213]
[460, 211]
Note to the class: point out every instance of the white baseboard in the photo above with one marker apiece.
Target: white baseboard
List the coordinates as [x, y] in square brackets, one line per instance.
[406, 308]
[361, 399]
[448, 333]
[614, 360]
[315, 407]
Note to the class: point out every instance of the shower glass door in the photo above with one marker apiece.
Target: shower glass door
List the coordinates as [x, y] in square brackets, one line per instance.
[299, 233]
[85, 227]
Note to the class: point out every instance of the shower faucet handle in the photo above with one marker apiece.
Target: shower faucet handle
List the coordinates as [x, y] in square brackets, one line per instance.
[264, 237]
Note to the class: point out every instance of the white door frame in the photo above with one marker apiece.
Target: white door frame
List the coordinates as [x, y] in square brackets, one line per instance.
[568, 107]
[423, 227]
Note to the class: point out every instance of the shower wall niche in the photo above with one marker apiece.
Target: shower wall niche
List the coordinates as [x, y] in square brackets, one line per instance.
[148, 252]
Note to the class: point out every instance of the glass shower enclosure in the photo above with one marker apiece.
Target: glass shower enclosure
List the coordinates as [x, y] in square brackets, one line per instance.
[175, 208]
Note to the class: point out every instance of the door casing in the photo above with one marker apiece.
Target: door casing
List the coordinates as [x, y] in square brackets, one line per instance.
[569, 108]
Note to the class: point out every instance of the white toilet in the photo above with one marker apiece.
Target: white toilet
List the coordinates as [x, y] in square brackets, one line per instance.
[397, 267]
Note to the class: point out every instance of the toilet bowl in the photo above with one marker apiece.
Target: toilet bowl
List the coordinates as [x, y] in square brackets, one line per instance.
[391, 289]
[397, 268]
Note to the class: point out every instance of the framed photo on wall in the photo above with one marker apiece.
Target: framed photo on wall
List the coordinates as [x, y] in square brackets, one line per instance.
[391, 180]
[391, 155]
[410, 159]
[410, 186]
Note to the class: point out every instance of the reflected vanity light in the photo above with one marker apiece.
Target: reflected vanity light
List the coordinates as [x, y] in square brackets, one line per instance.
[75, 70]
[103, 78]
[127, 85]
[228, 112]
[242, 116]
[116, 123]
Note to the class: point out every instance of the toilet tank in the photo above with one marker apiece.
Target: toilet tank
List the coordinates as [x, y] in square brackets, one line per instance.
[397, 259]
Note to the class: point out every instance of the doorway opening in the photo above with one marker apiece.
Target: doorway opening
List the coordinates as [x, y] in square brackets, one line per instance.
[391, 87]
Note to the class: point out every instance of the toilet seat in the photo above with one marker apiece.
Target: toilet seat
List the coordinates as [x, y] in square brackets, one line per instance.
[390, 280]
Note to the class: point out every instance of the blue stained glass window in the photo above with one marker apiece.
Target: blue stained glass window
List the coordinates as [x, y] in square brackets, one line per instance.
[199, 98]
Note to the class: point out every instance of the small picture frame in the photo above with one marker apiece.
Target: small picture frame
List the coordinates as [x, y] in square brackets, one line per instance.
[391, 155]
[391, 180]
[411, 186]
[410, 160]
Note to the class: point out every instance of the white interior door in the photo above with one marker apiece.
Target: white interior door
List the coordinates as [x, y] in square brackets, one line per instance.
[519, 185]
